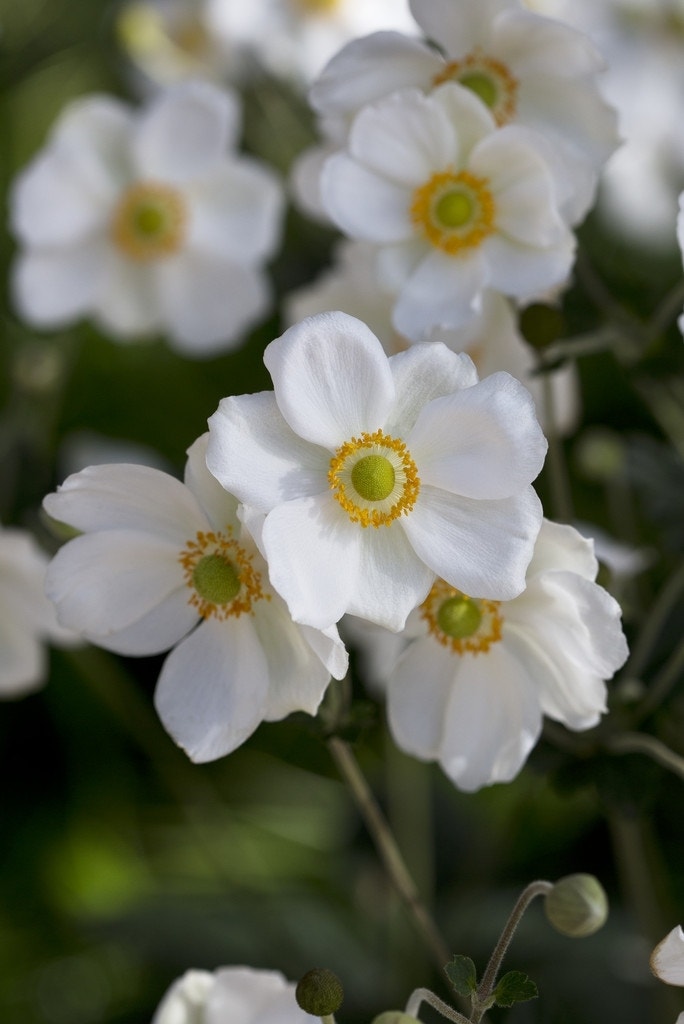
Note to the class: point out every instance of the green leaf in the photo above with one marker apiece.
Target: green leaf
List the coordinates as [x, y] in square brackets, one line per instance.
[514, 987]
[462, 974]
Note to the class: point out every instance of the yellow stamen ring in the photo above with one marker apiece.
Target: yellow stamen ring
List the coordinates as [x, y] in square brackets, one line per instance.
[462, 623]
[222, 580]
[149, 222]
[489, 79]
[454, 211]
[374, 479]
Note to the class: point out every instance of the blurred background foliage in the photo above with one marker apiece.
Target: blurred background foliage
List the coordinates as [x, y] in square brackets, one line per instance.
[121, 864]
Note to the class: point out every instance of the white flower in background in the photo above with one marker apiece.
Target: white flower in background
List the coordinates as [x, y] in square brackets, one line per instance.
[470, 689]
[146, 222]
[168, 40]
[27, 622]
[644, 80]
[456, 205]
[375, 474]
[491, 338]
[230, 995]
[295, 38]
[155, 558]
[526, 69]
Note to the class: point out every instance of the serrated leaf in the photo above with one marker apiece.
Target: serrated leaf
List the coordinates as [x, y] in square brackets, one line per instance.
[462, 974]
[514, 987]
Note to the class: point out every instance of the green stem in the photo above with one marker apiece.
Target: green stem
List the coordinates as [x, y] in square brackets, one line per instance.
[424, 995]
[664, 603]
[387, 848]
[481, 999]
[643, 743]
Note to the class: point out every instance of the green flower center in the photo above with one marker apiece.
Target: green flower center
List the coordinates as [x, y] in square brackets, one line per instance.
[459, 617]
[373, 477]
[482, 85]
[150, 220]
[216, 579]
[454, 209]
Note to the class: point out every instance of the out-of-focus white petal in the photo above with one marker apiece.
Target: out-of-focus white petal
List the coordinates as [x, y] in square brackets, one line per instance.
[416, 713]
[443, 291]
[49, 205]
[364, 204]
[236, 211]
[331, 378]
[207, 303]
[56, 286]
[126, 305]
[184, 132]
[525, 271]
[531, 44]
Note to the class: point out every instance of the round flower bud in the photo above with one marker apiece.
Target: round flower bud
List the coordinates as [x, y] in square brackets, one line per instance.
[577, 906]
[319, 992]
[541, 325]
[394, 1017]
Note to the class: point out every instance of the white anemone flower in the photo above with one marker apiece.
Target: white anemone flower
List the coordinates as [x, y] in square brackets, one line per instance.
[240, 995]
[147, 222]
[375, 474]
[667, 959]
[155, 558]
[525, 68]
[455, 204]
[491, 337]
[471, 688]
[28, 619]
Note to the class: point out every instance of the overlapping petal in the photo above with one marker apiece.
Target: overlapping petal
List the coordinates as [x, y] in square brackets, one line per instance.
[421, 373]
[53, 286]
[442, 291]
[392, 579]
[364, 204]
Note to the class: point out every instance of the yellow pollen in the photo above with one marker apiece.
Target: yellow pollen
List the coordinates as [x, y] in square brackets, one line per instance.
[454, 211]
[374, 479]
[220, 575]
[489, 79]
[478, 621]
[314, 7]
[149, 222]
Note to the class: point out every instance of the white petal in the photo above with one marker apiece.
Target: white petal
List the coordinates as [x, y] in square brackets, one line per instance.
[95, 132]
[298, 678]
[492, 722]
[255, 455]
[219, 506]
[404, 138]
[418, 693]
[421, 373]
[127, 497]
[532, 44]
[185, 131]
[157, 630]
[23, 662]
[126, 305]
[331, 378]
[208, 302]
[49, 205]
[213, 689]
[667, 959]
[236, 212]
[522, 188]
[469, 116]
[562, 547]
[392, 578]
[364, 204]
[458, 26]
[524, 271]
[443, 291]
[371, 67]
[483, 441]
[329, 648]
[313, 552]
[480, 547]
[104, 582]
[53, 287]
[251, 997]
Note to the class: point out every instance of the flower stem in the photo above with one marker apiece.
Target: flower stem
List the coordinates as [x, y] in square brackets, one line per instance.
[424, 995]
[643, 743]
[387, 848]
[486, 987]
